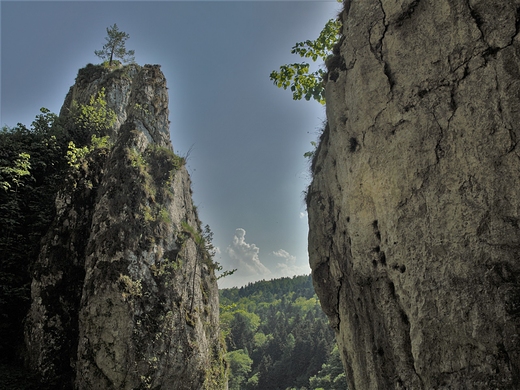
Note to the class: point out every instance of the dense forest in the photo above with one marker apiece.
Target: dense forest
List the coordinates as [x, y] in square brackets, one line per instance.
[278, 337]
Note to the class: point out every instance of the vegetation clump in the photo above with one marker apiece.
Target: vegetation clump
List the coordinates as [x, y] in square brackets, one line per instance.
[89, 73]
[156, 168]
[129, 287]
[302, 82]
[93, 118]
[76, 156]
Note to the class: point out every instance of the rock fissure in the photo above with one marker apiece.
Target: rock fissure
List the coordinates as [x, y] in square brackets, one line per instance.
[517, 27]
[503, 121]
[378, 50]
[407, 14]
[490, 49]
[476, 18]
[338, 298]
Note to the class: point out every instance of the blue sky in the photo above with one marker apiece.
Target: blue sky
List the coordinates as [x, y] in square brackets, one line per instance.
[245, 136]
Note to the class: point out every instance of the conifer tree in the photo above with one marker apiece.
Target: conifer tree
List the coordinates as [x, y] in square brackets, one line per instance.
[115, 46]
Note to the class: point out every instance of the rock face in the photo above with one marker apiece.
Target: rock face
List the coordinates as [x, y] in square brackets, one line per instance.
[124, 295]
[414, 207]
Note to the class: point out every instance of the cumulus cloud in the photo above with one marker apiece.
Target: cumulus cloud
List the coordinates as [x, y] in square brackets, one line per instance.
[289, 267]
[303, 214]
[244, 256]
[285, 255]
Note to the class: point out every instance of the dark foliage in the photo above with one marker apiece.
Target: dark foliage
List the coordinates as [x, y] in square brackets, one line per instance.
[26, 210]
[281, 326]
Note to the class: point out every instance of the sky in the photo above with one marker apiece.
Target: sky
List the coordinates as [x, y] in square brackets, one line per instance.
[244, 138]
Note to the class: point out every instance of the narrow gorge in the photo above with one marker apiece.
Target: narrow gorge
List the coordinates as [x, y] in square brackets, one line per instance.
[414, 206]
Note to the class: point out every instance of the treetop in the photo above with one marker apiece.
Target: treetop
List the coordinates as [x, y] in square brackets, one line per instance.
[115, 46]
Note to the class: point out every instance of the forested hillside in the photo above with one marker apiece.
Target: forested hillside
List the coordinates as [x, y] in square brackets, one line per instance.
[278, 337]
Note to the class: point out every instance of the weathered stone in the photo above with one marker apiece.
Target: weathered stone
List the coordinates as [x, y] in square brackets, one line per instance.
[123, 297]
[414, 207]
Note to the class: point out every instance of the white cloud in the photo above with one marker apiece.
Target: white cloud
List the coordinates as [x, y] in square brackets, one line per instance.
[289, 267]
[303, 214]
[285, 255]
[244, 256]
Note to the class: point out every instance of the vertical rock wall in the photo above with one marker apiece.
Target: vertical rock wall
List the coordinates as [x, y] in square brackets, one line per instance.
[414, 207]
[123, 295]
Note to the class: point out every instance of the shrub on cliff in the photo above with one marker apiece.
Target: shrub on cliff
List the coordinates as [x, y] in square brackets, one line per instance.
[297, 76]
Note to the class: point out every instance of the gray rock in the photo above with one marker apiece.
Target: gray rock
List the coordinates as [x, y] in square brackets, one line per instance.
[414, 207]
[123, 295]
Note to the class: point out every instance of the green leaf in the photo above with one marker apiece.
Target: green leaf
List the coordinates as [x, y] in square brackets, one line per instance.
[302, 83]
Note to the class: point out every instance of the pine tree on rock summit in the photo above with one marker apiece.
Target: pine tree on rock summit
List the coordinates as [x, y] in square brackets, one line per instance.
[115, 46]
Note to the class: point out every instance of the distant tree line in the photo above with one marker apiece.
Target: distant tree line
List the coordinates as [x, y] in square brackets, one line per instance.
[278, 337]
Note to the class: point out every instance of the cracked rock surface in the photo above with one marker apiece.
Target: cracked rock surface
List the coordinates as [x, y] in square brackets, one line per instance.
[414, 207]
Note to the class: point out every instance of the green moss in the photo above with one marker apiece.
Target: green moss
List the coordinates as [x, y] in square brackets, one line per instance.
[163, 163]
[147, 214]
[156, 168]
[129, 287]
[166, 267]
[139, 162]
[217, 372]
[163, 216]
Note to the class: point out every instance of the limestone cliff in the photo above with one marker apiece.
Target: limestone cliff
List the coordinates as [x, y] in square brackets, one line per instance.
[414, 207]
[124, 294]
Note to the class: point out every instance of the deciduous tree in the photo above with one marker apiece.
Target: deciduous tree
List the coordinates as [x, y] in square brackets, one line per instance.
[298, 76]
